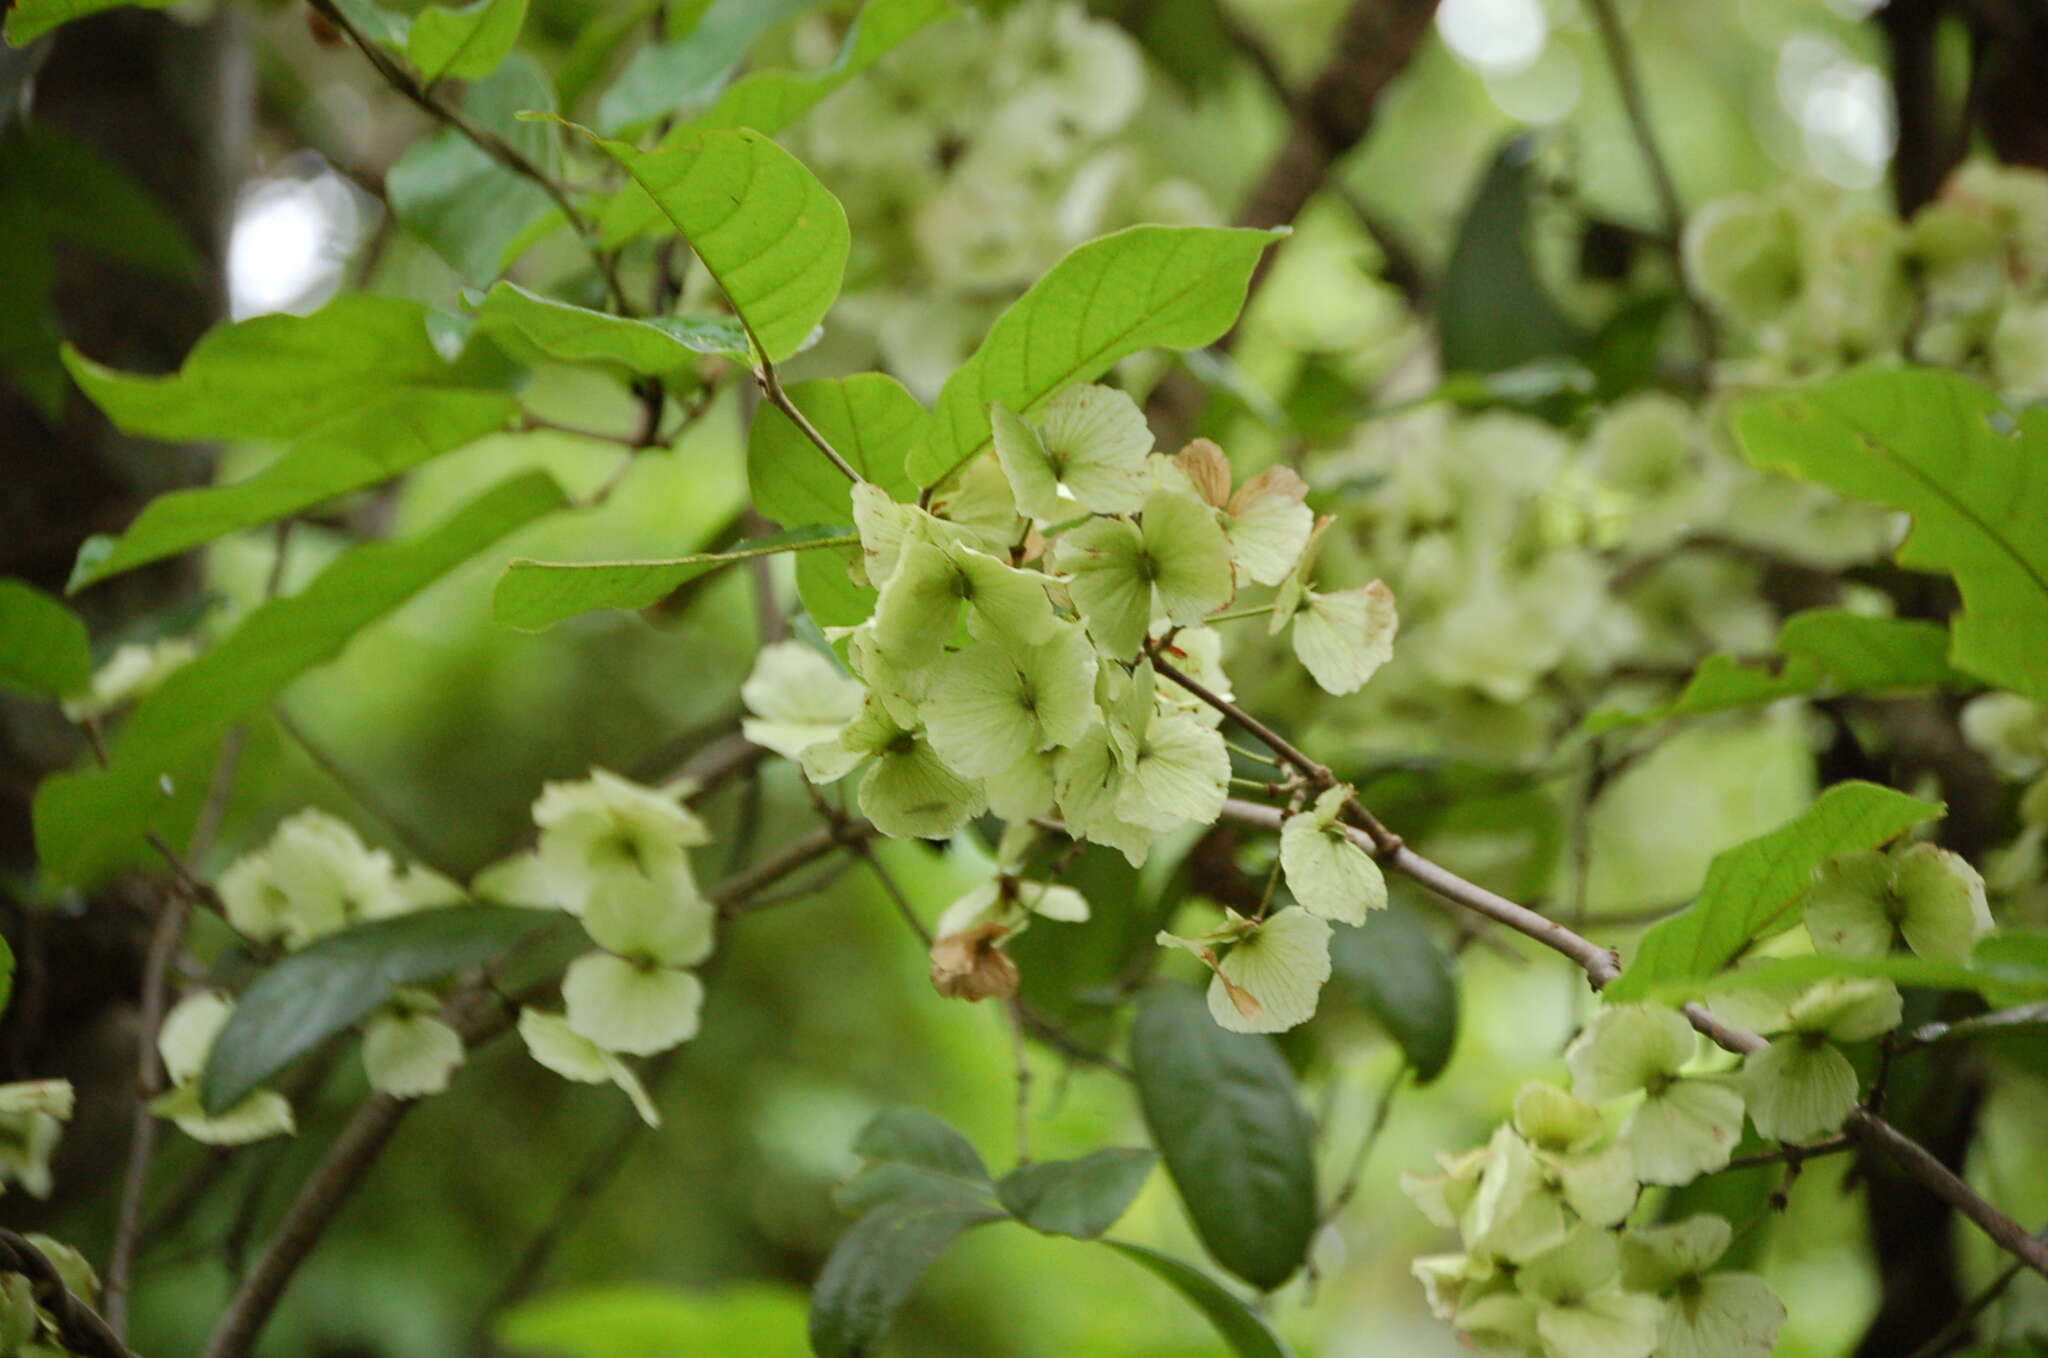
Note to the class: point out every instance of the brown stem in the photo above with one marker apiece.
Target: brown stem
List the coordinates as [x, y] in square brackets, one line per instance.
[78, 1325]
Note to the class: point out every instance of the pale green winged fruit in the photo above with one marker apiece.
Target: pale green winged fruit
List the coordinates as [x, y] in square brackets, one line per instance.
[314, 877]
[1800, 1087]
[32, 1117]
[553, 1043]
[1121, 575]
[908, 791]
[1685, 1126]
[1087, 455]
[1329, 874]
[1012, 902]
[184, 1042]
[1581, 1308]
[797, 698]
[1267, 521]
[1088, 786]
[1864, 903]
[997, 702]
[1706, 1315]
[1273, 973]
[408, 1052]
[1598, 1182]
[1343, 638]
[605, 825]
[1178, 772]
[635, 997]
[918, 607]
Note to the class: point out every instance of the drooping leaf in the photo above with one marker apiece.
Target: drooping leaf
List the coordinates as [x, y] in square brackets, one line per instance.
[327, 986]
[567, 333]
[30, 19]
[464, 43]
[909, 1155]
[1147, 286]
[1242, 1328]
[1492, 310]
[535, 595]
[870, 419]
[353, 451]
[876, 1265]
[1394, 968]
[1943, 449]
[681, 77]
[1825, 650]
[1081, 1198]
[767, 231]
[88, 824]
[1223, 1110]
[283, 376]
[44, 649]
[643, 1320]
[1753, 889]
[466, 207]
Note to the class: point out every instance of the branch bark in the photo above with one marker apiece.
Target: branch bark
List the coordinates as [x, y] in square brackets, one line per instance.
[80, 1327]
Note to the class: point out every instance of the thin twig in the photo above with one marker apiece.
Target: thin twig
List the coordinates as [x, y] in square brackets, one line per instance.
[1998, 1020]
[1347, 1188]
[771, 390]
[1022, 1054]
[359, 791]
[1789, 1153]
[1958, 1329]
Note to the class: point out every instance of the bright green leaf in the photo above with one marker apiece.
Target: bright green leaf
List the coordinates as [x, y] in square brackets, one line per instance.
[1224, 1112]
[572, 334]
[329, 985]
[643, 1320]
[44, 649]
[875, 1266]
[1173, 286]
[1754, 888]
[465, 43]
[1081, 1198]
[535, 595]
[767, 231]
[1242, 1328]
[1935, 445]
[87, 824]
[30, 19]
[869, 418]
[1394, 968]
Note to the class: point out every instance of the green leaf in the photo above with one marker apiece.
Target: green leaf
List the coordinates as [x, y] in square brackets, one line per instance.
[385, 438]
[824, 581]
[1935, 445]
[283, 376]
[87, 824]
[1081, 1198]
[1223, 1110]
[869, 418]
[1493, 311]
[1242, 1328]
[314, 993]
[642, 1320]
[464, 43]
[768, 233]
[1173, 286]
[44, 649]
[63, 189]
[2001, 979]
[567, 333]
[1394, 968]
[1754, 888]
[914, 1156]
[684, 75]
[1825, 650]
[875, 1266]
[6, 974]
[535, 595]
[466, 207]
[30, 19]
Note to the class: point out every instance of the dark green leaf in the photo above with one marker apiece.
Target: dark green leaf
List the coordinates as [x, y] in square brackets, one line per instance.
[283, 376]
[386, 437]
[1931, 444]
[914, 1156]
[469, 209]
[1493, 311]
[1247, 1333]
[87, 824]
[44, 649]
[572, 334]
[1754, 888]
[875, 1266]
[869, 418]
[766, 230]
[1394, 968]
[30, 19]
[683, 76]
[464, 43]
[535, 595]
[332, 984]
[62, 189]
[1176, 287]
[643, 1320]
[1224, 1112]
[1081, 1198]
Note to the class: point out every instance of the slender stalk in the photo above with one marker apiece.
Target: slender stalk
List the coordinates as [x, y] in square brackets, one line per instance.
[359, 791]
[1998, 1020]
[771, 391]
[1022, 1054]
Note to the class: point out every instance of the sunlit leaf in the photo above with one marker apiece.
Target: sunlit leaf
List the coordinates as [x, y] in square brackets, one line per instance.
[464, 43]
[869, 419]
